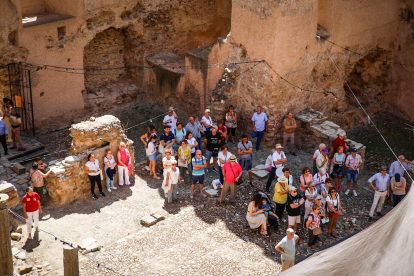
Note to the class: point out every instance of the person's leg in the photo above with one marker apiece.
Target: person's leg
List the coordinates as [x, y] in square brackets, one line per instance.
[249, 169]
[127, 176]
[355, 179]
[292, 142]
[92, 180]
[224, 191]
[170, 194]
[39, 191]
[382, 198]
[98, 181]
[36, 219]
[208, 157]
[221, 175]
[259, 139]
[311, 238]
[108, 181]
[29, 222]
[334, 221]
[374, 203]
[307, 211]
[348, 179]
[201, 182]
[270, 179]
[233, 192]
[4, 143]
[192, 188]
[214, 162]
[182, 171]
[14, 138]
[120, 177]
[285, 140]
[175, 190]
[18, 140]
[395, 200]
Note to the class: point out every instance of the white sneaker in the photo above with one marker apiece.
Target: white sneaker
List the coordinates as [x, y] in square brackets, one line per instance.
[109, 189]
[355, 194]
[191, 196]
[113, 188]
[347, 192]
[147, 168]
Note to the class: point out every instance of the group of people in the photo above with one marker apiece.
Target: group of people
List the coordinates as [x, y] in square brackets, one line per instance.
[10, 127]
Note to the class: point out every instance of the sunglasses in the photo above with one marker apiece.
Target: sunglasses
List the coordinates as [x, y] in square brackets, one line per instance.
[198, 154]
[294, 191]
[307, 171]
[384, 170]
[333, 192]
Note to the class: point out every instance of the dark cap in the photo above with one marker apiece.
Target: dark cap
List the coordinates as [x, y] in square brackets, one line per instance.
[397, 177]
[353, 150]
[167, 127]
[179, 123]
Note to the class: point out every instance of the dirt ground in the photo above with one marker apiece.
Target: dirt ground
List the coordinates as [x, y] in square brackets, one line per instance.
[197, 237]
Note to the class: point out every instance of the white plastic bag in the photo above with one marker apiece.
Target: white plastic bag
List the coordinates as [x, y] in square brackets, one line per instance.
[216, 184]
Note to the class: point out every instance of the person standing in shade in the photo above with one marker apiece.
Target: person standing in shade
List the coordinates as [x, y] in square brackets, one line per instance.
[109, 168]
[206, 121]
[398, 184]
[325, 194]
[213, 143]
[322, 161]
[184, 158]
[353, 162]
[7, 105]
[231, 122]
[319, 179]
[144, 139]
[232, 173]
[293, 203]
[338, 142]
[16, 122]
[93, 169]
[382, 190]
[151, 149]
[195, 128]
[312, 224]
[31, 209]
[36, 177]
[289, 126]
[4, 136]
[164, 138]
[287, 247]
[124, 165]
[245, 149]
[310, 195]
[315, 156]
[223, 158]
[179, 134]
[338, 167]
[170, 119]
[281, 194]
[279, 159]
[334, 207]
[199, 164]
[260, 122]
[399, 166]
[222, 130]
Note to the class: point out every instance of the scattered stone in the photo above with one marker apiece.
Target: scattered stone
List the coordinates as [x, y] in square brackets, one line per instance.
[43, 273]
[15, 251]
[72, 159]
[21, 255]
[18, 168]
[23, 269]
[16, 236]
[87, 242]
[19, 230]
[148, 221]
[93, 247]
[6, 187]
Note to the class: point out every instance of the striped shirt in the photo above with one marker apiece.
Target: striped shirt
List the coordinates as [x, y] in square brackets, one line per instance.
[193, 129]
[353, 161]
[201, 162]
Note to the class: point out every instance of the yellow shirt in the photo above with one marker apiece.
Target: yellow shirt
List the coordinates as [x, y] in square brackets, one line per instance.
[278, 198]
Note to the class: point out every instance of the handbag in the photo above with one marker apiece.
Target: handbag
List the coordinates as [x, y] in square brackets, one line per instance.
[317, 231]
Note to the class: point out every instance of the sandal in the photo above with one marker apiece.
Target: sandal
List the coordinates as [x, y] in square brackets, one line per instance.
[329, 235]
[335, 236]
[156, 177]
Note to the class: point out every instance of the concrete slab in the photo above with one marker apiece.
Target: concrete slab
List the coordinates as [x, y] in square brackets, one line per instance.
[260, 171]
[148, 221]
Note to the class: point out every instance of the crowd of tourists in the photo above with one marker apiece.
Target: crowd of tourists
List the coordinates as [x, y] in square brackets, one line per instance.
[315, 202]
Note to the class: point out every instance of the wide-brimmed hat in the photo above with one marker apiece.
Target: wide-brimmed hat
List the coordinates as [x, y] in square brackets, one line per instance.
[278, 146]
[282, 179]
[233, 158]
[214, 126]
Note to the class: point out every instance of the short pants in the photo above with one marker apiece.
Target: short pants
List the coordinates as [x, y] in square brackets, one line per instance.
[339, 172]
[209, 154]
[199, 178]
[153, 157]
[246, 164]
[293, 220]
[351, 175]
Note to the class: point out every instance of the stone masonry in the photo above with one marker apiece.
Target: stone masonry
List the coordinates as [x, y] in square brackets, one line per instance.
[68, 182]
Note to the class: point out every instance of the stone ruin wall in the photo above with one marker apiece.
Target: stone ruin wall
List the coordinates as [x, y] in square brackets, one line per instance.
[68, 182]
[306, 64]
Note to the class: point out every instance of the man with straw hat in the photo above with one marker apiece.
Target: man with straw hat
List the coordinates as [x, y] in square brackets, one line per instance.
[231, 174]
[279, 159]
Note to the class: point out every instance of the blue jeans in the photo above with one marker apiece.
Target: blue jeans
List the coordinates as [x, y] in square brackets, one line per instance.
[199, 143]
[259, 135]
[397, 199]
[351, 175]
[109, 182]
[221, 175]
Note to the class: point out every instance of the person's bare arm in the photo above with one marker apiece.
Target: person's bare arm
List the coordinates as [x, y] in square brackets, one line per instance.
[143, 138]
[278, 248]
[24, 211]
[254, 126]
[45, 174]
[309, 198]
[88, 171]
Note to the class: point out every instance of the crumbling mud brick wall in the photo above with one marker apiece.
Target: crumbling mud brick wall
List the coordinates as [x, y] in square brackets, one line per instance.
[68, 182]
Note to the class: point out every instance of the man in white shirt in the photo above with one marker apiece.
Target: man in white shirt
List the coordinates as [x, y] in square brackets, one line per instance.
[382, 190]
[260, 122]
[170, 119]
[206, 121]
[279, 159]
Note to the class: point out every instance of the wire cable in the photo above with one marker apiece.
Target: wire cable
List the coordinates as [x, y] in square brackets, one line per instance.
[366, 113]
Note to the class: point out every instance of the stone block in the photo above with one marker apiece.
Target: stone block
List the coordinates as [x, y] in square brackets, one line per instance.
[93, 247]
[148, 221]
[211, 193]
[72, 159]
[19, 230]
[260, 171]
[16, 236]
[15, 251]
[6, 187]
[87, 242]
[21, 255]
[22, 181]
[24, 269]
[18, 168]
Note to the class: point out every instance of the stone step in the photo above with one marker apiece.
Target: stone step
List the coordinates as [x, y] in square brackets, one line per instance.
[32, 146]
[31, 156]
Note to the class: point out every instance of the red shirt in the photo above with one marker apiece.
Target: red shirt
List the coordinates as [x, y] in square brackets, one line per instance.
[338, 142]
[231, 175]
[31, 202]
[224, 130]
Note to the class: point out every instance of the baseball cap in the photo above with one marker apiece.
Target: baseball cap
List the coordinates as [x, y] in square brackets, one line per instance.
[292, 188]
[325, 151]
[353, 150]
[167, 127]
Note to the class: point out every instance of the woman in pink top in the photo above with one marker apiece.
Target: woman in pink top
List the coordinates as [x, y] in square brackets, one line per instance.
[305, 178]
[124, 160]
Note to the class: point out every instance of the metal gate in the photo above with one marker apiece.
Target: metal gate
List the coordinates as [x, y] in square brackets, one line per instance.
[21, 95]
